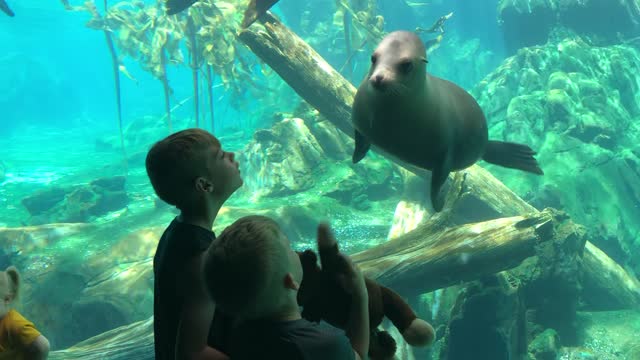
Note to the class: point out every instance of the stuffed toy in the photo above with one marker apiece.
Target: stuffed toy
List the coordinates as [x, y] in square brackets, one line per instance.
[323, 298]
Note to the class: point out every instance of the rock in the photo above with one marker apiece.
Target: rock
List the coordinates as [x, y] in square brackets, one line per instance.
[526, 23]
[533, 22]
[570, 102]
[72, 292]
[291, 158]
[545, 346]
[118, 296]
[336, 144]
[486, 323]
[280, 161]
[596, 17]
[133, 341]
[377, 180]
[606, 335]
[548, 196]
[77, 203]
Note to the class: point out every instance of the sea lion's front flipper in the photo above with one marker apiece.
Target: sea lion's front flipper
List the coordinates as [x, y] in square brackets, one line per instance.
[438, 177]
[362, 146]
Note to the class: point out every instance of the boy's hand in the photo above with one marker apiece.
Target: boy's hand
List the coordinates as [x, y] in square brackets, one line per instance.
[331, 259]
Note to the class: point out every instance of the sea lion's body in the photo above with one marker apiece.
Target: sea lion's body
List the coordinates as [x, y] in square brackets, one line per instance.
[420, 129]
[424, 120]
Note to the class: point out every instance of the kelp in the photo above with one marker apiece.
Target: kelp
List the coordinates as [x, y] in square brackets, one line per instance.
[193, 53]
[153, 39]
[98, 22]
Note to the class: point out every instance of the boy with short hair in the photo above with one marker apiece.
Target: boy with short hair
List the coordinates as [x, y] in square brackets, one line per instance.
[190, 170]
[253, 274]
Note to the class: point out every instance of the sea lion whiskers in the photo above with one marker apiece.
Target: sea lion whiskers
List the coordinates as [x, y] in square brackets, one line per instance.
[398, 89]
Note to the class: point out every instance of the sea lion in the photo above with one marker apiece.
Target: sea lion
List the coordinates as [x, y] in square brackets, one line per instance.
[424, 120]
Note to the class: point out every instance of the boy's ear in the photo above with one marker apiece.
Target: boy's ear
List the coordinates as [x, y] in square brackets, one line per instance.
[290, 282]
[203, 184]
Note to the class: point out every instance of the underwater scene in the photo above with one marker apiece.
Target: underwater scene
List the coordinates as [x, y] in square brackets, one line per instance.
[477, 160]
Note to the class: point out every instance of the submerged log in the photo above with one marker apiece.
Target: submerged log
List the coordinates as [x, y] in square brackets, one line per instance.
[606, 285]
[433, 257]
[479, 197]
[130, 342]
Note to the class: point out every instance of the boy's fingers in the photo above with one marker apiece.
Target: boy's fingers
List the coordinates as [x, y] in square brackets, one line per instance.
[345, 265]
[325, 236]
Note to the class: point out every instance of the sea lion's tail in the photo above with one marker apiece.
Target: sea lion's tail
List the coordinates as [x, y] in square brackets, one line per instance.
[512, 155]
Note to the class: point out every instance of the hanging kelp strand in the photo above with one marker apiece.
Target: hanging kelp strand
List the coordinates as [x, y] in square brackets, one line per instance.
[346, 24]
[116, 77]
[193, 50]
[167, 89]
[210, 94]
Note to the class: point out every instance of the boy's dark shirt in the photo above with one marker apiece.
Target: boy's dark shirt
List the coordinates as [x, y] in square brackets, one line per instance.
[290, 340]
[179, 243]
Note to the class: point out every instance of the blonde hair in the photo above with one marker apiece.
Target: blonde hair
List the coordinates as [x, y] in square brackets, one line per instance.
[244, 268]
[174, 162]
[10, 281]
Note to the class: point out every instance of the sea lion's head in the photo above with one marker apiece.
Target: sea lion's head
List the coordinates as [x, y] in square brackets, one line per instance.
[398, 64]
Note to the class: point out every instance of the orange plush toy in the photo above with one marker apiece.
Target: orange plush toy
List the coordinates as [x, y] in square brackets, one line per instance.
[322, 298]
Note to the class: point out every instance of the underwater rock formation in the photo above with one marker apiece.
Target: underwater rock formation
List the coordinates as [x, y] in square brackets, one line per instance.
[526, 23]
[606, 335]
[72, 293]
[77, 203]
[291, 157]
[279, 159]
[545, 346]
[487, 322]
[530, 22]
[133, 341]
[575, 104]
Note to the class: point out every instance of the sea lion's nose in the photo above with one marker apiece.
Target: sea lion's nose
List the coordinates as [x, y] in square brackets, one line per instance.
[377, 81]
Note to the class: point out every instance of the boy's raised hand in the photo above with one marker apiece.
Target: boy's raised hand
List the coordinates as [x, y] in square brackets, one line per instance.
[333, 261]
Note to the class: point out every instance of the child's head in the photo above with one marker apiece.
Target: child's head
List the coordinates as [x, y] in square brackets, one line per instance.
[189, 168]
[251, 271]
[9, 289]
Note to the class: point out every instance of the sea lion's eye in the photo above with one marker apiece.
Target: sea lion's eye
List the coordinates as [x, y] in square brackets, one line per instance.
[373, 59]
[406, 66]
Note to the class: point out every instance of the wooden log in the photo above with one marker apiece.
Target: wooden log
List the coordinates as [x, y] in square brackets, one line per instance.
[605, 284]
[130, 342]
[479, 195]
[439, 254]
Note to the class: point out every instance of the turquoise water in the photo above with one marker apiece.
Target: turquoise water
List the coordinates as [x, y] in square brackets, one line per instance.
[569, 90]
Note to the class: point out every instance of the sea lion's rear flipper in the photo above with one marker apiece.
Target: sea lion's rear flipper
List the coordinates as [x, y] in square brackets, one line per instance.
[512, 155]
[439, 175]
[362, 147]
